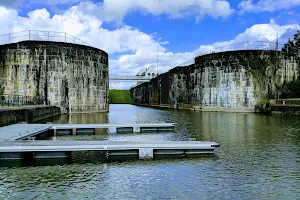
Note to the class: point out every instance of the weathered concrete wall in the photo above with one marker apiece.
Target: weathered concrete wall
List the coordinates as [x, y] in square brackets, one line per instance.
[27, 114]
[71, 76]
[231, 81]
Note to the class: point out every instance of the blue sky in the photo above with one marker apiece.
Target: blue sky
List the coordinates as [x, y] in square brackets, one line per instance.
[134, 31]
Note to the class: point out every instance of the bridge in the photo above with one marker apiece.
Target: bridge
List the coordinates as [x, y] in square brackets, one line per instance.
[145, 75]
[131, 78]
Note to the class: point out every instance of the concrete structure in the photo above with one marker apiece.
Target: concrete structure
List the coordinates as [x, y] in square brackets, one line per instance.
[143, 76]
[130, 78]
[224, 81]
[71, 76]
[29, 114]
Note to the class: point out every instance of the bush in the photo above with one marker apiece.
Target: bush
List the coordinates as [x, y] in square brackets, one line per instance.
[290, 89]
[263, 107]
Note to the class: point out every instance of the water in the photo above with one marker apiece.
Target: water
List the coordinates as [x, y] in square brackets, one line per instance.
[259, 158]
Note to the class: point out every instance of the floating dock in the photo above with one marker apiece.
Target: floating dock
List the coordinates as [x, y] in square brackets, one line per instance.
[18, 142]
[23, 131]
[55, 148]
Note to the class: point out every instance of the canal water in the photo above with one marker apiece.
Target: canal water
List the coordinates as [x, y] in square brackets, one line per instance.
[259, 158]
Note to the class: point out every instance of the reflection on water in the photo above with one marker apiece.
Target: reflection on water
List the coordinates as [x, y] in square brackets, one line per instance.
[259, 158]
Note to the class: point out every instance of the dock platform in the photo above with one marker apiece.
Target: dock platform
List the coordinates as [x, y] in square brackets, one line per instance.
[56, 148]
[17, 142]
[23, 131]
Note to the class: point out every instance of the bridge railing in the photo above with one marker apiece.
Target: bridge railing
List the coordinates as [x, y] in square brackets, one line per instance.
[135, 78]
[40, 36]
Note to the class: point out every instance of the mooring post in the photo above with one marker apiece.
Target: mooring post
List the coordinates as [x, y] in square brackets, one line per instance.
[74, 131]
[136, 129]
[54, 132]
[145, 153]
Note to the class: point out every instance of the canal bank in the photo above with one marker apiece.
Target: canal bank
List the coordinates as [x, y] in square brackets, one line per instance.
[28, 114]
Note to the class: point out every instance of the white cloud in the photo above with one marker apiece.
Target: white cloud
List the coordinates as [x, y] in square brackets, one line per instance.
[117, 85]
[130, 49]
[112, 10]
[55, 2]
[256, 35]
[7, 17]
[267, 5]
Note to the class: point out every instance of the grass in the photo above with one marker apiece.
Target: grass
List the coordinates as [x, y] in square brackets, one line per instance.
[293, 99]
[120, 97]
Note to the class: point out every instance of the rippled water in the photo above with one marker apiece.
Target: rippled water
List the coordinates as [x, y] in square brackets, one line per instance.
[259, 158]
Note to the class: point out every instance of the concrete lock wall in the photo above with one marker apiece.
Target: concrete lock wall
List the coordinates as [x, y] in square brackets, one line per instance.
[225, 81]
[71, 76]
[27, 114]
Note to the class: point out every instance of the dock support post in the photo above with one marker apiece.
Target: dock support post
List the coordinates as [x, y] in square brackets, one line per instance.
[136, 129]
[54, 132]
[145, 153]
[74, 131]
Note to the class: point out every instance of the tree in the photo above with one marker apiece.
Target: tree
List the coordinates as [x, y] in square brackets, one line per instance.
[292, 47]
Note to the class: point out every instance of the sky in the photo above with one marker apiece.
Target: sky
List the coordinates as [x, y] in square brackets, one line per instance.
[165, 33]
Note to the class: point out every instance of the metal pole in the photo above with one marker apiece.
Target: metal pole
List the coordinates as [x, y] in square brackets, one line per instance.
[48, 36]
[29, 34]
[9, 37]
[65, 37]
[157, 60]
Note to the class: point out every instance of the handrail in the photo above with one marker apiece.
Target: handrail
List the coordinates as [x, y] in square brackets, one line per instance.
[247, 45]
[40, 36]
[131, 77]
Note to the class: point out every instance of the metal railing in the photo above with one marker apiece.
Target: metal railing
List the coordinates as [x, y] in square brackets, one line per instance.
[131, 78]
[18, 100]
[40, 36]
[248, 45]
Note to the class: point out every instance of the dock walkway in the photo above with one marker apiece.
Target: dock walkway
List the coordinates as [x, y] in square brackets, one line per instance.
[144, 150]
[13, 145]
[17, 131]
[21, 131]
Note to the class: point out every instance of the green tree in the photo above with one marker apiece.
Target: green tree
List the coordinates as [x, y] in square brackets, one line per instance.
[292, 47]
